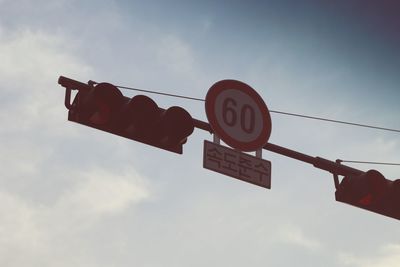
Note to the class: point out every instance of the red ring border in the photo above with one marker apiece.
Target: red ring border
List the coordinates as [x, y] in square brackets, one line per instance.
[212, 95]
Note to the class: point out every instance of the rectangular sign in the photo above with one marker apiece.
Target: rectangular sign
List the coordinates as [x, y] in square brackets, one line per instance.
[237, 164]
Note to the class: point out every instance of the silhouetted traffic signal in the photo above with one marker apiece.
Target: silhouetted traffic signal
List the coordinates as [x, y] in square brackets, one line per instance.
[104, 107]
[371, 191]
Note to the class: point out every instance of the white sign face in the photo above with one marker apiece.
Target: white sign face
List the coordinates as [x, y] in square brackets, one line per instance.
[238, 115]
[237, 164]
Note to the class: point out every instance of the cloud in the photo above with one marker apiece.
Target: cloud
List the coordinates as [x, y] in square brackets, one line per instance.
[31, 63]
[34, 57]
[31, 102]
[387, 256]
[21, 157]
[18, 230]
[102, 192]
[47, 204]
[35, 230]
[293, 235]
[175, 55]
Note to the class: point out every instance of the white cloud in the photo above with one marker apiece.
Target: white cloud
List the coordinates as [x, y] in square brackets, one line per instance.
[21, 157]
[42, 217]
[42, 232]
[388, 256]
[293, 235]
[97, 193]
[33, 57]
[19, 233]
[31, 100]
[102, 192]
[31, 64]
[378, 147]
[176, 55]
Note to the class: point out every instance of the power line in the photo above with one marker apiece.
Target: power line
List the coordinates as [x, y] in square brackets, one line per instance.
[370, 162]
[335, 121]
[272, 111]
[161, 93]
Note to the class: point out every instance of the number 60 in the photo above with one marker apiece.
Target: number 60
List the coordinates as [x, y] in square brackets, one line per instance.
[230, 114]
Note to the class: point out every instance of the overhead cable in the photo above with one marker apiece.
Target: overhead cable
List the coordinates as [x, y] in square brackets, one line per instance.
[272, 111]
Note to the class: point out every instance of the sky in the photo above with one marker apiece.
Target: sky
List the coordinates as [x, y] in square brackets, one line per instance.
[74, 196]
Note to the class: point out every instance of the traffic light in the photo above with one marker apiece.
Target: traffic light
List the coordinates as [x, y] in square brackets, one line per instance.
[104, 107]
[371, 191]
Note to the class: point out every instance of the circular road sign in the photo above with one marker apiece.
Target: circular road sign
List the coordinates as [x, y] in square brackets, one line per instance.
[238, 115]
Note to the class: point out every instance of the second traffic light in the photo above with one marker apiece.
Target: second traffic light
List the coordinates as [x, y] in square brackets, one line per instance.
[371, 191]
[104, 107]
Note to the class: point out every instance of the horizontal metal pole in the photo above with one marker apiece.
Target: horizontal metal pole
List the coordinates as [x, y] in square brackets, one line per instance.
[72, 84]
[318, 162]
[202, 125]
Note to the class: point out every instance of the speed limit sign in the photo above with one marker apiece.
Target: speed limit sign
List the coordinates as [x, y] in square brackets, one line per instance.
[238, 115]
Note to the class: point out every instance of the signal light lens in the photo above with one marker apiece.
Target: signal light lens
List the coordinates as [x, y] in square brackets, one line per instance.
[143, 111]
[376, 185]
[395, 192]
[177, 124]
[101, 102]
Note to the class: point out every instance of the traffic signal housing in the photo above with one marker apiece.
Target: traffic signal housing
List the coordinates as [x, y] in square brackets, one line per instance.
[371, 191]
[104, 107]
